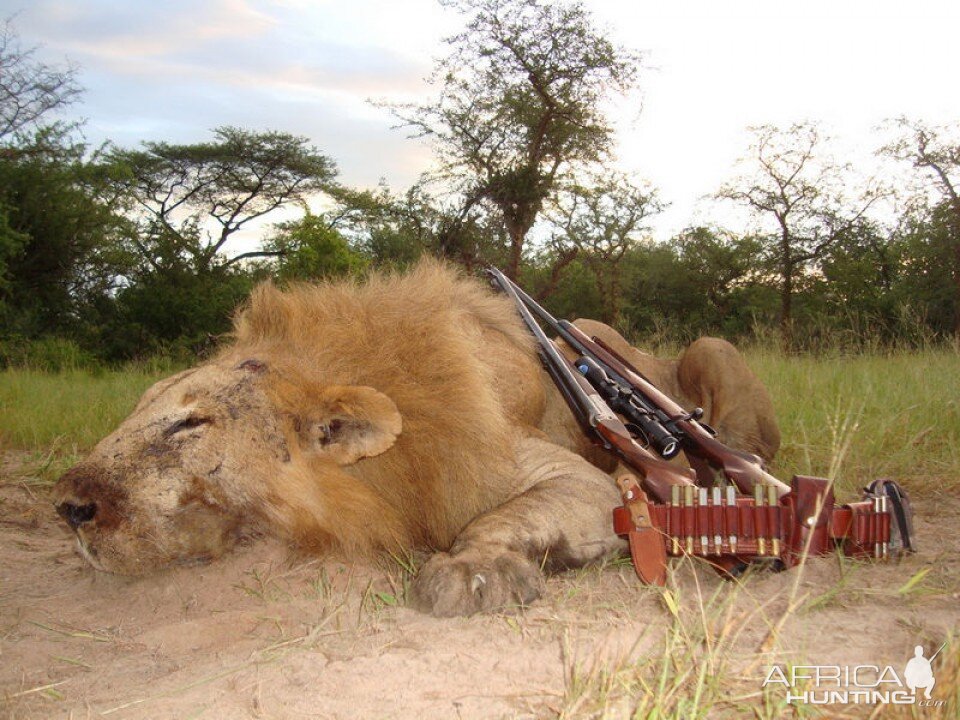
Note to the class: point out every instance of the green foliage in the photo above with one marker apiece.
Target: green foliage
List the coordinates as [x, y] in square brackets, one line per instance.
[177, 313]
[81, 258]
[395, 231]
[312, 249]
[392, 246]
[927, 254]
[797, 194]
[702, 282]
[390, 231]
[11, 245]
[601, 223]
[58, 233]
[575, 296]
[933, 239]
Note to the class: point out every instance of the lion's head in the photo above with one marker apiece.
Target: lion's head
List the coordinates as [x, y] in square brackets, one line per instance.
[347, 416]
[212, 454]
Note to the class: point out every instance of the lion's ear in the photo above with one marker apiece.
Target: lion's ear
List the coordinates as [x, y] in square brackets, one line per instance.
[349, 423]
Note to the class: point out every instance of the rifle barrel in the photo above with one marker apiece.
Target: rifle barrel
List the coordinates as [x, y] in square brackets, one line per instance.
[661, 415]
[571, 386]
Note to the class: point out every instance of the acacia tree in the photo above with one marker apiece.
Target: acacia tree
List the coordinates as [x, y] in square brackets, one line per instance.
[191, 199]
[599, 223]
[797, 193]
[520, 106]
[29, 89]
[934, 153]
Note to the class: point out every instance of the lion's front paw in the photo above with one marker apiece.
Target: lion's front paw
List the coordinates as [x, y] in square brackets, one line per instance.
[466, 583]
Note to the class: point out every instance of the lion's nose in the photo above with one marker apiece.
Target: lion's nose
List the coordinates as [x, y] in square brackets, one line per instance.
[77, 515]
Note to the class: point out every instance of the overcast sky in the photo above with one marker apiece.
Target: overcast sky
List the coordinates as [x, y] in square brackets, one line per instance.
[173, 70]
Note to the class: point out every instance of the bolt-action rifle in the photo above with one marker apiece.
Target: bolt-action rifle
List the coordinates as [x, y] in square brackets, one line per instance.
[726, 508]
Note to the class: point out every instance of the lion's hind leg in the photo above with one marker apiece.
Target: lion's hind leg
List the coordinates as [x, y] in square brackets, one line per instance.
[560, 517]
[713, 375]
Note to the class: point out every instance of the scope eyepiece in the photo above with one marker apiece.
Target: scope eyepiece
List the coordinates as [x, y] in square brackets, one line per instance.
[662, 440]
[667, 445]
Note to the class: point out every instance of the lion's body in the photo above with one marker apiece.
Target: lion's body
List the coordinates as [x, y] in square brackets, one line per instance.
[451, 357]
[409, 410]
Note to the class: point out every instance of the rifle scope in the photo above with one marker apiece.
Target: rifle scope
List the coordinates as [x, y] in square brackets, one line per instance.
[623, 402]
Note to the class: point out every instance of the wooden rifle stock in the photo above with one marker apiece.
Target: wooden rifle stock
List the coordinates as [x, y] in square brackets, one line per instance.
[705, 452]
[591, 411]
[657, 475]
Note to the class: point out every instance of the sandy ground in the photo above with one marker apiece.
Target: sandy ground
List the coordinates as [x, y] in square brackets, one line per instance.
[263, 635]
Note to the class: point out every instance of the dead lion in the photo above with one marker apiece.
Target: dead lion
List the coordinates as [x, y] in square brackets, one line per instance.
[407, 411]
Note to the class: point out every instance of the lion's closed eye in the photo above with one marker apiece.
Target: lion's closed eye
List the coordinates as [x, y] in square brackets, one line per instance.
[188, 423]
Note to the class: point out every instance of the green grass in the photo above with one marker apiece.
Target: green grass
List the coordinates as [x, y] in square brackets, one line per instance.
[860, 417]
[67, 411]
[898, 413]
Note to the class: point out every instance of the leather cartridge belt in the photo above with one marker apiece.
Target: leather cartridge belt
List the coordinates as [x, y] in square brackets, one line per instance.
[715, 522]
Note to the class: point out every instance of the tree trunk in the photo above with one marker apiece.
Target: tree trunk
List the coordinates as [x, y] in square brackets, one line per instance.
[605, 286]
[606, 301]
[786, 293]
[517, 235]
[563, 259]
[955, 241]
[786, 308]
[518, 220]
[614, 294]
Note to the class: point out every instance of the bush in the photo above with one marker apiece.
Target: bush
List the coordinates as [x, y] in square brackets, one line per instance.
[49, 354]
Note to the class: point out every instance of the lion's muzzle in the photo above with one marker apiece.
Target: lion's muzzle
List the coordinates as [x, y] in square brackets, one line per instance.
[76, 515]
[87, 495]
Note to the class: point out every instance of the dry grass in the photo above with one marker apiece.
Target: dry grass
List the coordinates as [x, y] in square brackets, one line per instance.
[694, 668]
[708, 660]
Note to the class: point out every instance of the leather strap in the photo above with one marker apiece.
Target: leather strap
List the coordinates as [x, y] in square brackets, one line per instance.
[803, 520]
[646, 541]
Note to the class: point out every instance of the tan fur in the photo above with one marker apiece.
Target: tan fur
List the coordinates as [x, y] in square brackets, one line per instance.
[418, 339]
[408, 410]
